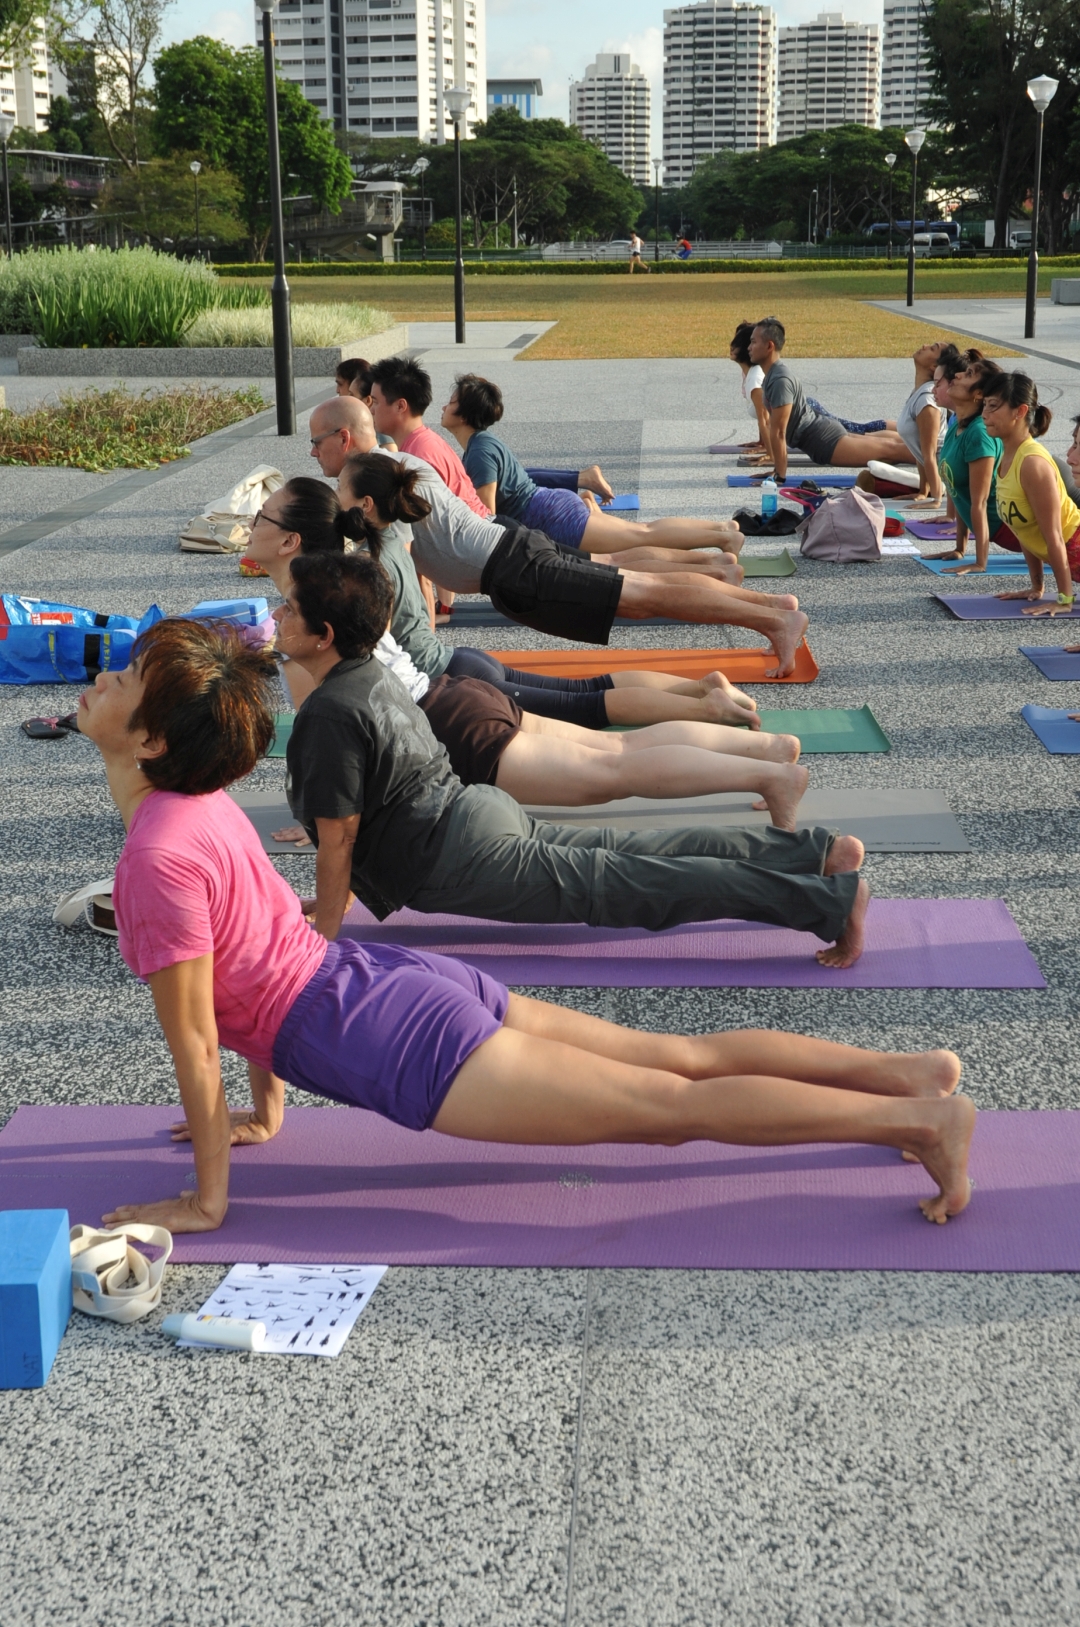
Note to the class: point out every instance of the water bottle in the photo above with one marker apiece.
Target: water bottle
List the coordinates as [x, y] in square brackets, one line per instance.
[770, 498]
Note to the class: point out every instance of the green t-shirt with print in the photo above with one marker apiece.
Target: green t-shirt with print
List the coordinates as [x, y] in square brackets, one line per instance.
[961, 448]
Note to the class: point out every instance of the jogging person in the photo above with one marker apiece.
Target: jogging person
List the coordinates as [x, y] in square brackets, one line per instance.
[204, 919]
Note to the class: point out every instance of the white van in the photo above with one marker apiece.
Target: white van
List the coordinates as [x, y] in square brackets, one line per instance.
[933, 245]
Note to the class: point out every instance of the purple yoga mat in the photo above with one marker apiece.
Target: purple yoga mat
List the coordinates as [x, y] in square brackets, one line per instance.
[932, 530]
[343, 1186]
[984, 607]
[912, 943]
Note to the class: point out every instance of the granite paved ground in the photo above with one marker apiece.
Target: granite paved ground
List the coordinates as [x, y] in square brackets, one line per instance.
[513, 1448]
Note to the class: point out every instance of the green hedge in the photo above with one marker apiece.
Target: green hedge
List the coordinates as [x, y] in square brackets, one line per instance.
[608, 268]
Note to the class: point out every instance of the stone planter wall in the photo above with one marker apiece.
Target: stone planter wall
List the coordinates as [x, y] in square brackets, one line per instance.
[248, 361]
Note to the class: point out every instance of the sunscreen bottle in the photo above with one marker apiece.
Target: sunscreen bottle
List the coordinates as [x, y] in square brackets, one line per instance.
[224, 1332]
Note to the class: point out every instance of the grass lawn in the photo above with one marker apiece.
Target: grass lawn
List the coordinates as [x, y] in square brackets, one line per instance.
[612, 316]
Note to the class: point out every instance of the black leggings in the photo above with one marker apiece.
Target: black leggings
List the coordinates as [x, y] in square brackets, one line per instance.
[571, 700]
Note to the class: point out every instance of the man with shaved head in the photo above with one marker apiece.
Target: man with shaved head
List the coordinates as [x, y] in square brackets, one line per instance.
[340, 426]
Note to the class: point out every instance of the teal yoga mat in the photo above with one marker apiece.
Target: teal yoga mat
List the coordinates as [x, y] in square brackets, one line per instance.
[820, 729]
[283, 722]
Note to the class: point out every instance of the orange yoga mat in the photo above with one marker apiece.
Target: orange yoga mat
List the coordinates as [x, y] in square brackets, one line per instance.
[740, 666]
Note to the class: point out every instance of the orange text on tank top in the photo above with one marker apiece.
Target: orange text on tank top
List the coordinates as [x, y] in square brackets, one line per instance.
[1014, 505]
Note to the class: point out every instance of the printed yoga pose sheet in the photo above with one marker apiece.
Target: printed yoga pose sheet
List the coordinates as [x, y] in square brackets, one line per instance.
[341, 1186]
[911, 943]
[1057, 664]
[739, 666]
[985, 607]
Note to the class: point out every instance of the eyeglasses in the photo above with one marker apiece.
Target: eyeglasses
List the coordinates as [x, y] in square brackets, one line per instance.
[315, 439]
[262, 515]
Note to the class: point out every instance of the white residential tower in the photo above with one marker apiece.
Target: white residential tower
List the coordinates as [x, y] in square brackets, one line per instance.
[719, 83]
[903, 66]
[611, 107]
[827, 75]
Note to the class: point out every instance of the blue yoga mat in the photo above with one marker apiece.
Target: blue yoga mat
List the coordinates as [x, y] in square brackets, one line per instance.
[1058, 733]
[996, 565]
[793, 480]
[622, 504]
[1053, 662]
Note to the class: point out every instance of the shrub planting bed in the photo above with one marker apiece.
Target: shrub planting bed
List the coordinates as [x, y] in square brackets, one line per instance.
[116, 429]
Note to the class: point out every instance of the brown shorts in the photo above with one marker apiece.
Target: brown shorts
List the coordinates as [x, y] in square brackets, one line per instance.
[475, 722]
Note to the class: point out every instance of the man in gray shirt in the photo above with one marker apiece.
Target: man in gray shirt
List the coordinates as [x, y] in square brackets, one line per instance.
[792, 421]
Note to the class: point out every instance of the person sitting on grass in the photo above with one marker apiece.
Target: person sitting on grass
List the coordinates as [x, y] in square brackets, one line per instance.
[393, 824]
[205, 919]
[793, 422]
[306, 517]
[752, 379]
[1030, 493]
[504, 487]
[554, 590]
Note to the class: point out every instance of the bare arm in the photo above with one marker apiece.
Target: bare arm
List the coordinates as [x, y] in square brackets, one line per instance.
[778, 423]
[184, 1001]
[929, 427]
[333, 867]
[980, 476]
[758, 398]
[487, 494]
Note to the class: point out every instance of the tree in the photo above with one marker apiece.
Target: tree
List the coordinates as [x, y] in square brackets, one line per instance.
[981, 55]
[158, 202]
[211, 100]
[126, 34]
[566, 187]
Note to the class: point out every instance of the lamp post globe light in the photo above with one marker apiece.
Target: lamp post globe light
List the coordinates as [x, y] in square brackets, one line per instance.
[7, 125]
[284, 389]
[914, 140]
[890, 159]
[457, 102]
[421, 167]
[657, 164]
[195, 167]
[1041, 91]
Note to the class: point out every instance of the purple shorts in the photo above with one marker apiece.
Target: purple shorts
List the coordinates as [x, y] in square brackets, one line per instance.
[560, 515]
[387, 1029]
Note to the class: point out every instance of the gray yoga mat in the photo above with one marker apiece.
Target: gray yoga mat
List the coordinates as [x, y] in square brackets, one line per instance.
[887, 821]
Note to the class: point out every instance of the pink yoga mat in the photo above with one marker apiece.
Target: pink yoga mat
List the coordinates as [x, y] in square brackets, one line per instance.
[342, 1186]
[912, 943]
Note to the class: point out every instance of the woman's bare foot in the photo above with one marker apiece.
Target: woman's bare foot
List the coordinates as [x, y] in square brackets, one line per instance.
[918, 1073]
[783, 794]
[592, 479]
[727, 568]
[784, 601]
[786, 640]
[726, 704]
[849, 945]
[942, 1149]
[846, 854]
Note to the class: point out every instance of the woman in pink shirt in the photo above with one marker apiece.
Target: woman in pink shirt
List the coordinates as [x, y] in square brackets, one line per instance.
[218, 935]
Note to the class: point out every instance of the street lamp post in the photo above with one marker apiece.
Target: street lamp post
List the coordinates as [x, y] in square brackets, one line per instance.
[817, 223]
[515, 213]
[457, 102]
[195, 167]
[914, 139]
[284, 388]
[422, 166]
[890, 159]
[1041, 91]
[7, 125]
[658, 164]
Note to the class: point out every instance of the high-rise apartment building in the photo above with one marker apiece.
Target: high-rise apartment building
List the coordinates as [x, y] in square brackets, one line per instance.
[719, 83]
[611, 107]
[904, 72]
[382, 67]
[28, 87]
[827, 75]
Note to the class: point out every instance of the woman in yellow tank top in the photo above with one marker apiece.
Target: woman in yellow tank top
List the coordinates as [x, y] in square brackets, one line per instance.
[1031, 496]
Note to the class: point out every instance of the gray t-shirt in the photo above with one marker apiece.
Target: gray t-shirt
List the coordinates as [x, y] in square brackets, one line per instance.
[359, 745]
[410, 624]
[908, 422]
[781, 388]
[453, 544]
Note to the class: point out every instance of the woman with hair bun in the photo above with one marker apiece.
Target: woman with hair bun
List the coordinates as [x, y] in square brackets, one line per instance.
[1030, 493]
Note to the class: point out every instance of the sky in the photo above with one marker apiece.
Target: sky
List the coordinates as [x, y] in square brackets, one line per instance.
[551, 40]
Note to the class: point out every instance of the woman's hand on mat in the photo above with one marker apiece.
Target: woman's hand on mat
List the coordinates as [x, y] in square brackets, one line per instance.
[950, 553]
[246, 1129]
[1049, 610]
[181, 1214]
[1021, 593]
[295, 834]
[965, 570]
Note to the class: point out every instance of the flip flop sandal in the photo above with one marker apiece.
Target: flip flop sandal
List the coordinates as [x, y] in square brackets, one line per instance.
[51, 728]
[93, 903]
[112, 1277]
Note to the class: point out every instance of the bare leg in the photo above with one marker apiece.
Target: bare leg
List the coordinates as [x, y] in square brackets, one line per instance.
[695, 599]
[552, 772]
[633, 701]
[521, 1090]
[716, 737]
[856, 451]
[709, 561]
[607, 534]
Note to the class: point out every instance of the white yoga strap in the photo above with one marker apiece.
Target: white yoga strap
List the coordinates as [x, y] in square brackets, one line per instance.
[109, 1275]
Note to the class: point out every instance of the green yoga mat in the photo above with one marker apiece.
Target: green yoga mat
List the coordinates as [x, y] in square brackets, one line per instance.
[283, 722]
[829, 729]
[780, 564]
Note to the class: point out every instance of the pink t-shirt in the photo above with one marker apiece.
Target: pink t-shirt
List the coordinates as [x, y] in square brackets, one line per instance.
[193, 880]
[424, 443]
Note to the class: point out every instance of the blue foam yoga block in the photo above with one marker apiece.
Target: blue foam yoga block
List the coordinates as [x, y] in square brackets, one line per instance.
[35, 1293]
[627, 501]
